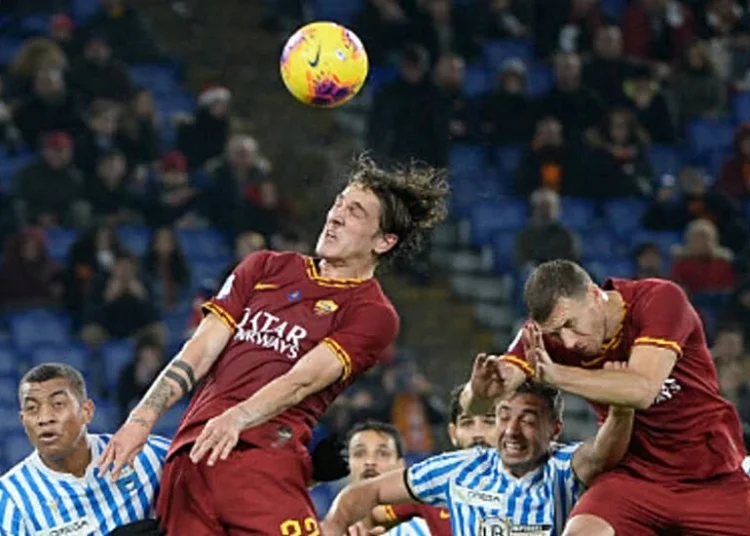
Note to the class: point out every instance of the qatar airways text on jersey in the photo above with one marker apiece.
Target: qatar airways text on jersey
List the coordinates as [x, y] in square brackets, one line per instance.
[270, 332]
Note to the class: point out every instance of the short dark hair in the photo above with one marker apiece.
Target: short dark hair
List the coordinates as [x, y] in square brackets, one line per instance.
[52, 371]
[413, 200]
[551, 281]
[380, 428]
[551, 396]
[454, 405]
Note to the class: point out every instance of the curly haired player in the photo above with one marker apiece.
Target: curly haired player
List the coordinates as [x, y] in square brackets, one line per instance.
[285, 335]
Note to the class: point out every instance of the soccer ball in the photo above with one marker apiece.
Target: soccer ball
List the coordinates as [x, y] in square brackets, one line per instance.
[324, 64]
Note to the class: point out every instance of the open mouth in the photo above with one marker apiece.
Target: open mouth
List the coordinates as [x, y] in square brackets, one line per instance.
[514, 448]
[370, 473]
[48, 437]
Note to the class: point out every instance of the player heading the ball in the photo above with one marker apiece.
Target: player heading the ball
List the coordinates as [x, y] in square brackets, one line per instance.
[285, 335]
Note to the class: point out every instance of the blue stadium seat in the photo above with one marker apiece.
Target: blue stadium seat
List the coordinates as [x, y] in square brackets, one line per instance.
[176, 324]
[82, 10]
[497, 51]
[201, 271]
[336, 10]
[115, 356]
[666, 159]
[59, 241]
[106, 417]
[10, 361]
[599, 245]
[503, 248]
[8, 49]
[135, 238]
[708, 136]
[8, 392]
[477, 81]
[741, 107]
[578, 213]
[203, 244]
[10, 166]
[613, 9]
[502, 215]
[322, 497]
[167, 425]
[664, 239]
[507, 158]
[624, 215]
[465, 159]
[160, 79]
[539, 79]
[173, 102]
[381, 76]
[75, 355]
[17, 447]
[35, 25]
[39, 327]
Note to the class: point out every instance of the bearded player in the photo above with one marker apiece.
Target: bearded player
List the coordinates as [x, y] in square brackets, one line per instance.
[285, 335]
[683, 470]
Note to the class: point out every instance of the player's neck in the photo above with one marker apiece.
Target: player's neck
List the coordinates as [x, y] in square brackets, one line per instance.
[345, 269]
[614, 309]
[75, 463]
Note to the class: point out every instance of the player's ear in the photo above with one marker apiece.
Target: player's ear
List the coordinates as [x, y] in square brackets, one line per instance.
[401, 463]
[87, 410]
[384, 243]
[557, 427]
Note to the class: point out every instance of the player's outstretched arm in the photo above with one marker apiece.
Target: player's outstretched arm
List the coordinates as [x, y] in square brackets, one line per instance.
[177, 379]
[608, 447]
[357, 501]
[315, 371]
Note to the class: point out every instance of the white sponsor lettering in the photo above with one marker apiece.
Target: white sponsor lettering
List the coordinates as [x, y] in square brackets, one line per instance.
[78, 527]
[497, 526]
[269, 331]
[668, 391]
[484, 499]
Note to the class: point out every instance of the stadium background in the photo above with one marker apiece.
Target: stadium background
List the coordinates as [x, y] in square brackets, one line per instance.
[119, 119]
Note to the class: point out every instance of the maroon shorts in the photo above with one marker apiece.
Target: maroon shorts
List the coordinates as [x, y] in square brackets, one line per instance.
[253, 491]
[638, 507]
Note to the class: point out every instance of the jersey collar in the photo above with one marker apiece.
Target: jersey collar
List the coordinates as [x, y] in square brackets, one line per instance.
[94, 448]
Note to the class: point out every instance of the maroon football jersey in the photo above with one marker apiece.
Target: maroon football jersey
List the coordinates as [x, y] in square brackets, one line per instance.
[690, 432]
[437, 519]
[279, 308]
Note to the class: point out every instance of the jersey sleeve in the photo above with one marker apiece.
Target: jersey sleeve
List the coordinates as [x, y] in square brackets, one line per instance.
[363, 337]
[515, 355]
[560, 467]
[11, 518]
[664, 317]
[229, 303]
[429, 481]
[401, 512]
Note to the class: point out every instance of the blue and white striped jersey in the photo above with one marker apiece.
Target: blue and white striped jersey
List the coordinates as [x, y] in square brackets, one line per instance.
[482, 496]
[416, 526]
[35, 500]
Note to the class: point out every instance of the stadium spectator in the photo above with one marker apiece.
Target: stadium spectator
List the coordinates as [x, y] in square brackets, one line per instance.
[108, 192]
[651, 107]
[206, 135]
[508, 97]
[449, 76]
[172, 199]
[136, 377]
[607, 69]
[97, 75]
[702, 265]
[697, 88]
[140, 129]
[734, 178]
[127, 31]
[568, 26]
[50, 107]
[618, 157]
[28, 277]
[384, 25]
[502, 19]
[573, 104]
[544, 237]
[657, 31]
[99, 135]
[62, 32]
[406, 119]
[120, 305]
[35, 55]
[552, 161]
[167, 268]
[245, 244]
[443, 27]
[49, 190]
[648, 261]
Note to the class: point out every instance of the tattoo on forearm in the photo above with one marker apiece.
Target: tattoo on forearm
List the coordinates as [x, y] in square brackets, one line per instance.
[159, 397]
[187, 369]
[141, 421]
[179, 380]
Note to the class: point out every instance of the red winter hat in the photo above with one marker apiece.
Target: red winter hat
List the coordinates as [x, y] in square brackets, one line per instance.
[213, 94]
[61, 22]
[174, 161]
[57, 140]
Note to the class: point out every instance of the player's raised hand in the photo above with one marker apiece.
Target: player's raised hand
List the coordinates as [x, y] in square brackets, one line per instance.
[124, 446]
[219, 436]
[536, 353]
